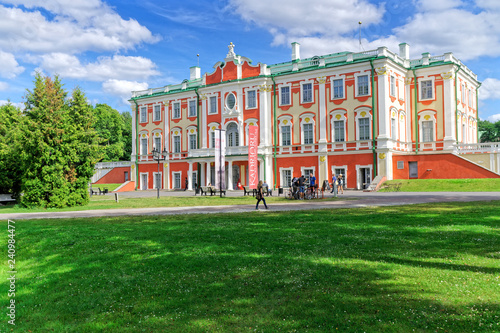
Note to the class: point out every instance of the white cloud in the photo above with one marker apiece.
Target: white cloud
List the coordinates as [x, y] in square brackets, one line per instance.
[490, 89]
[19, 105]
[302, 19]
[4, 86]
[105, 68]
[77, 27]
[494, 118]
[123, 88]
[9, 68]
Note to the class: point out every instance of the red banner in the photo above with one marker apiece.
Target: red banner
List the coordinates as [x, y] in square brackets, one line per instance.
[253, 165]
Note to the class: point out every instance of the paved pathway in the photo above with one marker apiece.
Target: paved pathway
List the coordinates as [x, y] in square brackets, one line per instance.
[351, 199]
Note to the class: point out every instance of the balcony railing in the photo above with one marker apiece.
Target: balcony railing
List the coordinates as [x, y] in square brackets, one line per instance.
[471, 148]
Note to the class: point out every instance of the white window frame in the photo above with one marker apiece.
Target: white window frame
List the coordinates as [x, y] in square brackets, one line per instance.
[421, 88]
[157, 141]
[234, 140]
[340, 167]
[282, 138]
[303, 133]
[360, 116]
[192, 106]
[213, 108]
[174, 136]
[283, 180]
[143, 114]
[155, 175]
[141, 146]
[289, 95]
[303, 95]
[175, 109]
[422, 118]
[392, 90]
[334, 130]
[190, 141]
[356, 84]
[141, 185]
[157, 112]
[174, 179]
[254, 99]
[333, 80]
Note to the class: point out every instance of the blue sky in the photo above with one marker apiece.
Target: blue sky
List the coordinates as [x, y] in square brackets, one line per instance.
[109, 48]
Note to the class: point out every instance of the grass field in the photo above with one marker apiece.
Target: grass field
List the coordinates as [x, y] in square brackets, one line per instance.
[446, 185]
[108, 202]
[419, 268]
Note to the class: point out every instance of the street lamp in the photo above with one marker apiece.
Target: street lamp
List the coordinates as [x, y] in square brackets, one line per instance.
[159, 156]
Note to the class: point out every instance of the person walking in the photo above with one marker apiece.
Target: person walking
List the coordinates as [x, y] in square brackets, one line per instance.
[186, 182]
[260, 196]
[334, 185]
[340, 181]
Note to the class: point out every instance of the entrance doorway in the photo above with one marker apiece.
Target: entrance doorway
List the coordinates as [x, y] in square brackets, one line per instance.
[365, 177]
[413, 166]
[144, 181]
[236, 176]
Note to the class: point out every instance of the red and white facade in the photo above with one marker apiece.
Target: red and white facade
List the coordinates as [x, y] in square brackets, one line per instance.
[368, 114]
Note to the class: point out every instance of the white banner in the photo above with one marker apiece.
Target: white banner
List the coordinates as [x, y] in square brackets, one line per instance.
[220, 161]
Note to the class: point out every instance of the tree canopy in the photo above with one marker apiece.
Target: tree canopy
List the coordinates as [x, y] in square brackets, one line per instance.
[488, 131]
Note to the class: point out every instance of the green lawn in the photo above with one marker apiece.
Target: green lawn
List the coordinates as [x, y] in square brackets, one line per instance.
[446, 185]
[108, 202]
[418, 268]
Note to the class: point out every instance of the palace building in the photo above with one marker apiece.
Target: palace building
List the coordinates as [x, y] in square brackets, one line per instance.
[370, 116]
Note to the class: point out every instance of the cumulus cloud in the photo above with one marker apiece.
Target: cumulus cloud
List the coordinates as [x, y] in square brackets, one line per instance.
[18, 105]
[490, 89]
[327, 26]
[494, 118]
[9, 67]
[123, 88]
[105, 68]
[4, 86]
[77, 26]
[299, 20]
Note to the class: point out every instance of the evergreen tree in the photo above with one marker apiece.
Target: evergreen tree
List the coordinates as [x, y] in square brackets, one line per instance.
[10, 175]
[59, 146]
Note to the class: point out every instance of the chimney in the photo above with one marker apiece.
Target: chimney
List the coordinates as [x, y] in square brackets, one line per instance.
[194, 73]
[295, 51]
[404, 51]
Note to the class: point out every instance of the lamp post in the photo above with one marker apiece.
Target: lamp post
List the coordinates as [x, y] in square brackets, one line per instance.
[159, 156]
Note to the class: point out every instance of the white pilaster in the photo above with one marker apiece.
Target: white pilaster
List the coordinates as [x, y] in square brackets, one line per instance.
[203, 122]
[449, 110]
[322, 113]
[190, 176]
[383, 101]
[230, 175]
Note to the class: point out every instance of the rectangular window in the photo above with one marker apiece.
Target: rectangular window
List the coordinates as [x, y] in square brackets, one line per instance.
[177, 180]
[287, 178]
[285, 136]
[363, 87]
[393, 86]
[192, 108]
[212, 139]
[394, 134]
[177, 144]
[338, 128]
[364, 128]
[338, 88]
[426, 89]
[157, 143]
[144, 146]
[157, 113]
[308, 134]
[285, 96]
[340, 171]
[401, 165]
[144, 114]
[307, 96]
[213, 104]
[194, 179]
[176, 111]
[251, 99]
[157, 180]
[192, 141]
[427, 131]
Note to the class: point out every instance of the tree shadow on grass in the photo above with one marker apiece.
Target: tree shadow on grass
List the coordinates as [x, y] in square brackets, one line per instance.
[303, 272]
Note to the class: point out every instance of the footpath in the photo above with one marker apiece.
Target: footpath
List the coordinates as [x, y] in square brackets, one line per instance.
[350, 199]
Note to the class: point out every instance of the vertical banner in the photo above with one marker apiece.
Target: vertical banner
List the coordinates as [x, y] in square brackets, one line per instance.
[253, 166]
[220, 161]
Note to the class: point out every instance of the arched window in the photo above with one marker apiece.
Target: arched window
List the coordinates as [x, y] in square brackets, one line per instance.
[232, 135]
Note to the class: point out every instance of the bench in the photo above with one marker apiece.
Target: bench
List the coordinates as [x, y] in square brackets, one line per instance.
[211, 190]
[266, 191]
[247, 191]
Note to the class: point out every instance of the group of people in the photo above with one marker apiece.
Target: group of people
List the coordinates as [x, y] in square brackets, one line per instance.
[338, 183]
[299, 184]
